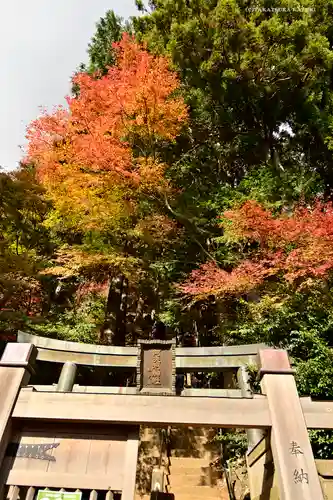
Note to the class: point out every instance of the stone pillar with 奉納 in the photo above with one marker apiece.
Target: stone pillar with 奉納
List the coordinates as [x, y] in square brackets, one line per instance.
[294, 462]
[156, 368]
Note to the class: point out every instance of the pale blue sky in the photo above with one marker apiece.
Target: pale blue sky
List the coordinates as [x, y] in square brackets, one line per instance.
[41, 44]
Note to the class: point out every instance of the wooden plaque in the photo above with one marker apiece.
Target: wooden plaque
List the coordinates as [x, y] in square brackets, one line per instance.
[71, 456]
[156, 370]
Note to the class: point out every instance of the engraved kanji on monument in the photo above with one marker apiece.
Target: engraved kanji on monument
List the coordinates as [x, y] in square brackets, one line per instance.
[156, 369]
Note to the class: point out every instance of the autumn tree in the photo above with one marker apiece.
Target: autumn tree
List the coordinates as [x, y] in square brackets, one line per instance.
[98, 162]
[23, 248]
[293, 248]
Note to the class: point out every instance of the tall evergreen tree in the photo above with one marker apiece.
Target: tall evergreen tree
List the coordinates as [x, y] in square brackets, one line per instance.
[109, 30]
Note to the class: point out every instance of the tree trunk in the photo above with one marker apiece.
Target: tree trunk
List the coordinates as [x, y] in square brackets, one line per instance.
[120, 333]
[108, 331]
[137, 324]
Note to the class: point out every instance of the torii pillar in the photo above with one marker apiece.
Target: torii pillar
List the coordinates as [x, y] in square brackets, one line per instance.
[292, 453]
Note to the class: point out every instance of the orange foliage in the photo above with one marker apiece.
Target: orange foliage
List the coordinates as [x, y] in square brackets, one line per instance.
[92, 287]
[211, 280]
[25, 297]
[159, 230]
[288, 247]
[89, 145]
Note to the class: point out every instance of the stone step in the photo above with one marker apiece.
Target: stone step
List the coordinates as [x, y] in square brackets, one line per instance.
[188, 471]
[192, 488]
[189, 462]
[194, 446]
[184, 479]
[189, 493]
[198, 495]
[199, 453]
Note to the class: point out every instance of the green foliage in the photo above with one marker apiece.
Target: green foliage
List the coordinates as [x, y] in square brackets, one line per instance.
[234, 444]
[314, 364]
[22, 212]
[101, 54]
[279, 190]
[322, 443]
[24, 246]
[246, 72]
[80, 324]
[285, 318]
[109, 29]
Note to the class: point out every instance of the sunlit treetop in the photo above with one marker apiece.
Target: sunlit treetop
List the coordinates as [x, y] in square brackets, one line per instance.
[107, 136]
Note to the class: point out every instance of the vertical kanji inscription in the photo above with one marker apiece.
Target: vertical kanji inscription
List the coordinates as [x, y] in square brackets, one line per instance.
[154, 372]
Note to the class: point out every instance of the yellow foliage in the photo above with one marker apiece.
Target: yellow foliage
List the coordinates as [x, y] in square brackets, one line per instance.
[73, 261]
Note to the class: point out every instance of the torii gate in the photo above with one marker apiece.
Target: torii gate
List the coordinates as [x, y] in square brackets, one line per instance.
[278, 410]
